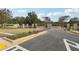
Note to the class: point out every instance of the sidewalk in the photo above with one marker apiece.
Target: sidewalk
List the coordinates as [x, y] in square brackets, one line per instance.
[4, 44]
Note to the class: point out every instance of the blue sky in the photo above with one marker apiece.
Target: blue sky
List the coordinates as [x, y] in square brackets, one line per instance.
[53, 13]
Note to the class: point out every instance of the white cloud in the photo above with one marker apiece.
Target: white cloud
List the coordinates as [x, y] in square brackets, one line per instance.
[68, 10]
[49, 14]
[21, 10]
[71, 12]
[58, 13]
[41, 15]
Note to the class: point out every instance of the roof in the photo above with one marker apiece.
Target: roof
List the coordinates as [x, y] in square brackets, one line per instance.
[67, 19]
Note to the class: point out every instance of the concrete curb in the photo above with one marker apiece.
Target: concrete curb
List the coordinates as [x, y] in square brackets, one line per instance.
[30, 37]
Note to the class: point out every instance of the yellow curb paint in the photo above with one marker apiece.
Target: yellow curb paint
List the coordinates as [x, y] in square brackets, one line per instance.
[2, 46]
[30, 37]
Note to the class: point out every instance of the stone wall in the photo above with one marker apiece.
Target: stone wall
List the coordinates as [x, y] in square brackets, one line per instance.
[12, 25]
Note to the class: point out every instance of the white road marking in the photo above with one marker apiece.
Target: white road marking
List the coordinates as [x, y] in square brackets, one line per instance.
[16, 47]
[67, 44]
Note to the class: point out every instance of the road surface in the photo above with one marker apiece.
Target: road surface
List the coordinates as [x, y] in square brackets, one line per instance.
[55, 39]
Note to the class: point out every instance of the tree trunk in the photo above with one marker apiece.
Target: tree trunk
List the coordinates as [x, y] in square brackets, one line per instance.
[34, 26]
[2, 25]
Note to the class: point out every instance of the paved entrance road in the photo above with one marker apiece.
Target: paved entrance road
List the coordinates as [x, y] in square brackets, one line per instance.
[52, 41]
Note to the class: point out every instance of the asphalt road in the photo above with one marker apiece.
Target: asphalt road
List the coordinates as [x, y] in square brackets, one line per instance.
[53, 40]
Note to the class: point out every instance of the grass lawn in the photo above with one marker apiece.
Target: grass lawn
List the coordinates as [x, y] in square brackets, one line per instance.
[20, 30]
[75, 32]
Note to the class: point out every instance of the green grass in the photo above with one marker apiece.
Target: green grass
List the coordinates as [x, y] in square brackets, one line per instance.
[74, 32]
[14, 37]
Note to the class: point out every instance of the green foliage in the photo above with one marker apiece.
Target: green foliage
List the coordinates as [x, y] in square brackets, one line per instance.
[74, 20]
[32, 17]
[5, 15]
[6, 18]
[20, 20]
[13, 37]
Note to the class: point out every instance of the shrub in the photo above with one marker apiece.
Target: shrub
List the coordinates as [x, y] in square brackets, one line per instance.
[30, 32]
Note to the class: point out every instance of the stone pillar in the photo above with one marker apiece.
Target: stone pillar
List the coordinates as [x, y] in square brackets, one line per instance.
[27, 25]
[75, 26]
[36, 25]
[68, 26]
[23, 25]
[32, 25]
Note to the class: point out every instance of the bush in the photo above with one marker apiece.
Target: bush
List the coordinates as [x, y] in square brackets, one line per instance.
[30, 32]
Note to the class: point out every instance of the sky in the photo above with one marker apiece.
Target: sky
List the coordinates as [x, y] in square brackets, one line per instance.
[53, 13]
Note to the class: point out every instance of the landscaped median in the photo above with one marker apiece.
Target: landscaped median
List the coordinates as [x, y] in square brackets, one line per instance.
[22, 37]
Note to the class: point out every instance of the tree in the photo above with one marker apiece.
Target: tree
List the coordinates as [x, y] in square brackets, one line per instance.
[20, 20]
[5, 15]
[32, 17]
[74, 20]
[26, 21]
[12, 21]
